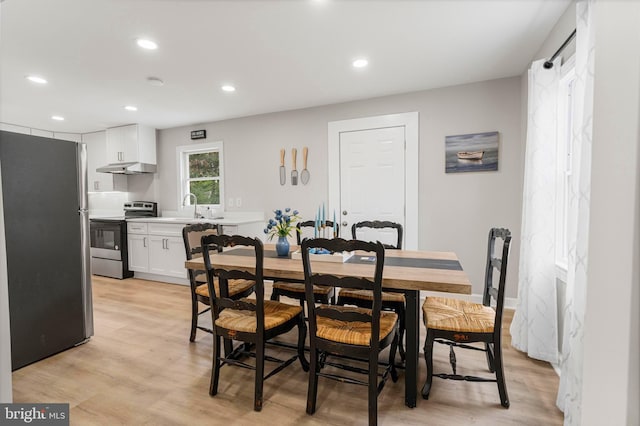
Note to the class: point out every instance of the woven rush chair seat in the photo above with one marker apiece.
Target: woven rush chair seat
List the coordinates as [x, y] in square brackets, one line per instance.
[354, 332]
[458, 315]
[368, 295]
[299, 288]
[275, 314]
[235, 287]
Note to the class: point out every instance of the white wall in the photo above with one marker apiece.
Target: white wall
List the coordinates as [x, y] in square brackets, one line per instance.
[456, 210]
[5, 330]
[611, 351]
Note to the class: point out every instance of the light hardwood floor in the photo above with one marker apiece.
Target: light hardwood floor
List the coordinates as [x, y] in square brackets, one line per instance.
[140, 368]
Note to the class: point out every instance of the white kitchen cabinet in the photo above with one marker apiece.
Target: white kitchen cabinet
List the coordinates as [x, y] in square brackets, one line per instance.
[138, 246]
[75, 137]
[167, 256]
[97, 157]
[250, 229]
[156, 249]
[132, 143]
[42, 133]
[15, 129]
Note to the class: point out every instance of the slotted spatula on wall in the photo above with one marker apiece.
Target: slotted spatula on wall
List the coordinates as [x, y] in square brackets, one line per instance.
[283, 173]
[294, 172]
[304, 175]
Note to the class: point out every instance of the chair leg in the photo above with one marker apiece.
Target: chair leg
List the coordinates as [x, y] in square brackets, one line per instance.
[215, 367]
[302, 336]
[257, 402]
[402, 318]
[275, 294]
[312, 392]
[373, 389]
[502, 386]
[392, 358]
[194, 318]
[489, 347]
[228, 347]
[428, 357]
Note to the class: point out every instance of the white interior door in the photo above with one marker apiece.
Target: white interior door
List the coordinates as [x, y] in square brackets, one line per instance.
[409, 122]
[372, 181]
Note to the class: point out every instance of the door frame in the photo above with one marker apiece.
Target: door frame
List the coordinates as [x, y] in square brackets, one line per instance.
[410, 122]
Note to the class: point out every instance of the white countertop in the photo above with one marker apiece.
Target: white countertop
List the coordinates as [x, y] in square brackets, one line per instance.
[229, 219]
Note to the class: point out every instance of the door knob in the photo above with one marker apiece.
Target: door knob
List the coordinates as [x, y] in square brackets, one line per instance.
[344, 224]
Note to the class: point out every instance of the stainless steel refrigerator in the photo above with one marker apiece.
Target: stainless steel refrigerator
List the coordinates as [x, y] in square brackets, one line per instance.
[47, 229]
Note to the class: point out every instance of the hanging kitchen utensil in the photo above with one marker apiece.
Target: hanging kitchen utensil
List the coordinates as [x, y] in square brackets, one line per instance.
[304, 176]
[283, 173]
[294, 172]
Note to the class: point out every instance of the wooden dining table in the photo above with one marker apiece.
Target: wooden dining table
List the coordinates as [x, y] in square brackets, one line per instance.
[406, 271]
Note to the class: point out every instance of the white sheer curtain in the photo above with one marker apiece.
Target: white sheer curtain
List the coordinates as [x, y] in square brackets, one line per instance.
[534, 328]
[570, 391]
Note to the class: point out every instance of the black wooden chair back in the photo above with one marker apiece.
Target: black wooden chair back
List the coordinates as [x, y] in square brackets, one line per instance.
[223, 301]
[338, 245]
[192, 235]
[496, 264]
[312, 224]
[377, 224]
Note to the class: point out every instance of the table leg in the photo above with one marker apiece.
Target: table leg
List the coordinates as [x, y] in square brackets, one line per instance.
[412, 332]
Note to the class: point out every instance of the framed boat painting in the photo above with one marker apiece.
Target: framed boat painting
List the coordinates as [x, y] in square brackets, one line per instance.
[475, 152]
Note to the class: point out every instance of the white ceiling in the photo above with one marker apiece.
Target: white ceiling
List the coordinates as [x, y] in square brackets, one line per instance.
[280, 54]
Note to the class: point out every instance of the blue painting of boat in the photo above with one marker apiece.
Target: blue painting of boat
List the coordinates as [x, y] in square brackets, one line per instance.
[474, 152]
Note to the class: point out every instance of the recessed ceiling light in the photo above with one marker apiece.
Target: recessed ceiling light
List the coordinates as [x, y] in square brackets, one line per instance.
[36, 79]
[57, 118]
[360, 63]
[228, 88]
[131, 108]
[155, 81]
[147, 44]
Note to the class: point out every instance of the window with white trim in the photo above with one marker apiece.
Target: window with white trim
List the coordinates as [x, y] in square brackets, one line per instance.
[564, 162]
[201, 173]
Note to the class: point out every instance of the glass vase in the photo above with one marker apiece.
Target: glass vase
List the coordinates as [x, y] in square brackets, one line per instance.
[282, 247]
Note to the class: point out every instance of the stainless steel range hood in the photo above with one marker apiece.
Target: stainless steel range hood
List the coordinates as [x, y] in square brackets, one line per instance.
[128, 168]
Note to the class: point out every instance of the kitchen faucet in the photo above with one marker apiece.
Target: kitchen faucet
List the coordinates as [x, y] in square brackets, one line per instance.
[195, 205]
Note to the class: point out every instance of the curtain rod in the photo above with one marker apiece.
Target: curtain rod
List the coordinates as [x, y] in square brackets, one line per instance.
[549, 64]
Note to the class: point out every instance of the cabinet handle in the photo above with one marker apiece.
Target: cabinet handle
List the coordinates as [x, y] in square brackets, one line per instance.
[144, 241]
[96, 185]
[164, 243]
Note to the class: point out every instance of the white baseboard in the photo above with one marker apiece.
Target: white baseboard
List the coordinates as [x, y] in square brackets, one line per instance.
[161, 278]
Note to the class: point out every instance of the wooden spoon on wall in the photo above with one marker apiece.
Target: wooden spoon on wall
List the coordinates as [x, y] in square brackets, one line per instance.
[304, 176]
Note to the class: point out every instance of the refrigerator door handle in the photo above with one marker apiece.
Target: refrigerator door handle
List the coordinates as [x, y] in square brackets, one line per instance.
[83, 211]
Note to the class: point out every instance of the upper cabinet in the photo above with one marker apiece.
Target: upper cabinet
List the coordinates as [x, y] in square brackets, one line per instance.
[133, 143]
[75, 137]
[96, 155]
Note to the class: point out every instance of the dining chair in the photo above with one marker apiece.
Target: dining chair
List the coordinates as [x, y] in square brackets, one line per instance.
[457, 323]
[192, 235]
[390, 300]
[356, 333]
[295, 290]
[252, 321]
